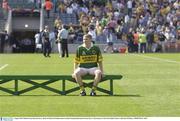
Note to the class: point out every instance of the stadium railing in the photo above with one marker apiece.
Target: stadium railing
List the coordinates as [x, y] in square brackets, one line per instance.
[42, 81]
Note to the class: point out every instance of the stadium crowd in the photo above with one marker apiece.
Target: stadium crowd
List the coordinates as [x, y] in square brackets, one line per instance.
[143, 25]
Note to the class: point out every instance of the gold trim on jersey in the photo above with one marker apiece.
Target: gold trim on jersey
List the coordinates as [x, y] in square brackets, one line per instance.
[100, 58]
[88, 59]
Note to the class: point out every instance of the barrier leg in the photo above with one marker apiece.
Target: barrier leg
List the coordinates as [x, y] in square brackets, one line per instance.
[63, 87]
[111, 87]
[16, 88]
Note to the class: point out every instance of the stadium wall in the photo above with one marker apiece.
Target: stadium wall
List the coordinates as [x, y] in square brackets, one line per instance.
[170, 48]
[22, 23]
[72, 47]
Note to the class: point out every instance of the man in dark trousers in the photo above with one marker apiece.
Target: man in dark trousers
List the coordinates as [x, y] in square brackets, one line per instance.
[161, 44]
[150, 40]
[4, 40]
[63, 37]
[46, 42]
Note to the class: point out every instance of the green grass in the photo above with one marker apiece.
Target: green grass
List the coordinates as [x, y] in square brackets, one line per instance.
[150, 87]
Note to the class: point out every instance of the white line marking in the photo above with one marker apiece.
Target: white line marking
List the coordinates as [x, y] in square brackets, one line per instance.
[159, 59]
[4, 66]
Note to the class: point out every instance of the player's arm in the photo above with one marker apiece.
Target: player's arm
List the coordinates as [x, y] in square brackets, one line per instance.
[101, 66]
[76, 60]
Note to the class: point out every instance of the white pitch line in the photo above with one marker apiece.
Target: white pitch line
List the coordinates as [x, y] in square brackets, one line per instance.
[159, 59]
[4, 66]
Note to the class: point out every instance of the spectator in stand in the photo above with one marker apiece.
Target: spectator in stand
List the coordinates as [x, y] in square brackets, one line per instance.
[62, 7]
[130, 39]
[69, 10]
[142, 41]
[109, 39]
[136, 41]
[84, 22]
[92, 32]
[161, 41]
[112, 24]
[150, 40]
[74, 6]
[57, 24]
[129, 6]
[132, 13]
[104, 21]
[48, 7]
[6, 8]
[55, 5]
[72, 33]
[99, 32]
[155, 43]
[84, 9]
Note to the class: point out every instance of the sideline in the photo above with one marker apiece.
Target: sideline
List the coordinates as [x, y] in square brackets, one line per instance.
[4, 66]
[159, 59]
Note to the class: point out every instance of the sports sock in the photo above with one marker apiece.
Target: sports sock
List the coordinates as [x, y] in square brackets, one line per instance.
[82, 88]
[94, 88]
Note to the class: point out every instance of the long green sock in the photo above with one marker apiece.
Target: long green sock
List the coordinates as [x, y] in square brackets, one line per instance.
[94, 88]
[82, 88]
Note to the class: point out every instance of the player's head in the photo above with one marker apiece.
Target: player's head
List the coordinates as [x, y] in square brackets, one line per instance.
[87, 38]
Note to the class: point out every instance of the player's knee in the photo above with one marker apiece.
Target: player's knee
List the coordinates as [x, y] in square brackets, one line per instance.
[98, 73]
[77, 74]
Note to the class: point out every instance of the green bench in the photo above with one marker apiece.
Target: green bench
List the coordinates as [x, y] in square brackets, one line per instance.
[49, 79]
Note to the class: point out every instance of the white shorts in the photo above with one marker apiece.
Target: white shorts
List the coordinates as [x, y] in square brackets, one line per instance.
[85, 71]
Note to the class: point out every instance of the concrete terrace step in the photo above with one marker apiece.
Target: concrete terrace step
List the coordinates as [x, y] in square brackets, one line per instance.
[2, 24]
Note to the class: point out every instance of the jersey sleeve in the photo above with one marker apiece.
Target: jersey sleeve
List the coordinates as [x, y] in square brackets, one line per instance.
[100, 58]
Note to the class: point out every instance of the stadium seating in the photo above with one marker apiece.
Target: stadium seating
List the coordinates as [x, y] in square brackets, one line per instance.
[2, 21]
[1, 13]
[49, 79]
[68, 18]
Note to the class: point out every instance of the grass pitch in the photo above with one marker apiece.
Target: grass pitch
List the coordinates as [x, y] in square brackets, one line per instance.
[150, 87]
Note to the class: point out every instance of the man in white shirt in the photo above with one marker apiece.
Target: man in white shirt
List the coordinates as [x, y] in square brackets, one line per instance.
[92, 32]
[37, 42]
[63, 35]
[129, 6]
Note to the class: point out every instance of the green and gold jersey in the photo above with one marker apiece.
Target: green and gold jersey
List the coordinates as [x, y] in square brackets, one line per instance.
[88, 58]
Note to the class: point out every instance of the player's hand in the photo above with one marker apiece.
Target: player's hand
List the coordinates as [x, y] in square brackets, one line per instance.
[73, 76]
[103, 75]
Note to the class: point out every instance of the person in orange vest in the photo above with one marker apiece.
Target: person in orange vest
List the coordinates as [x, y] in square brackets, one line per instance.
[136, 38]
[48, 7]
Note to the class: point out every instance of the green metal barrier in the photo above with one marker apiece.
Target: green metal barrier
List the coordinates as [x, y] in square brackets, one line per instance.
[49, 79]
